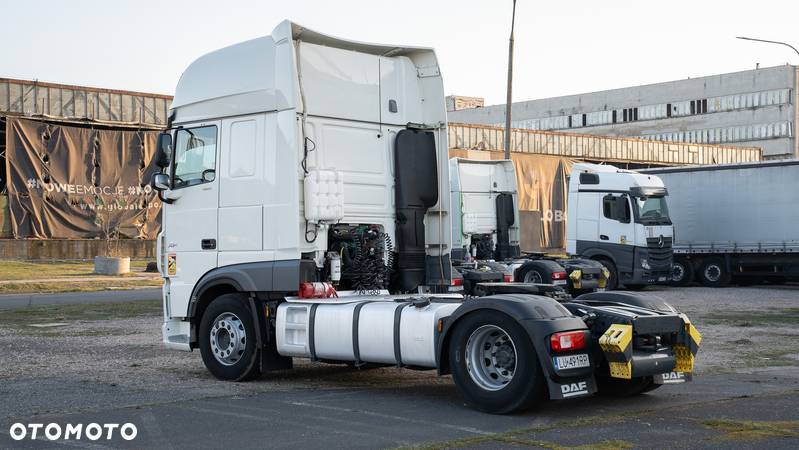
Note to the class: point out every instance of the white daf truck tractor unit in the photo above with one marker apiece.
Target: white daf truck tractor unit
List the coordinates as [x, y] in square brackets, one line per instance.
[620, 218]
[307, 215]
[485, 234]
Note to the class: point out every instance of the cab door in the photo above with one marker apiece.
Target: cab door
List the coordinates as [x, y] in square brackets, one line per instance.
[190, 220]
[616, 229]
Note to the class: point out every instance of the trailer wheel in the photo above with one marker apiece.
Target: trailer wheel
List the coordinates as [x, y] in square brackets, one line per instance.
[615, 387]
[714, 273]
[613, 279]
[494, 364]
[682, 272]
[227, 339]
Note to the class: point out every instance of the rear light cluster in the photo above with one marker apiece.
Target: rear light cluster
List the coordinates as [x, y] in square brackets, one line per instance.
[558, 275]
[567, 341]
[507, 278]
[317, 290]
[457, 281]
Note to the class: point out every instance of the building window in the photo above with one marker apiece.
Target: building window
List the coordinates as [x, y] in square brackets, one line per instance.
[614, 116]
[693, 107]
[635, 113]
[668, 109]
[625, 116]
[585, 121]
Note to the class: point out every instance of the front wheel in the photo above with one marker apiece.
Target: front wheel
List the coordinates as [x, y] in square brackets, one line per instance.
[613, 278]
[494, 364]
[227, 339]
[682, 272]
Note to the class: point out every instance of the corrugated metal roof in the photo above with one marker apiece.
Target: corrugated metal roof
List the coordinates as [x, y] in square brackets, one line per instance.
[80, 103]
[591, 147]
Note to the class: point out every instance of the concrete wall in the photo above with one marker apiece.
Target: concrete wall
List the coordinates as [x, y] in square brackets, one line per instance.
[78, 249]
[735, 118]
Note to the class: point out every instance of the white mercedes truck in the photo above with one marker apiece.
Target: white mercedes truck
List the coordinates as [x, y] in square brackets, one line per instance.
[307, 215]
[621, 219]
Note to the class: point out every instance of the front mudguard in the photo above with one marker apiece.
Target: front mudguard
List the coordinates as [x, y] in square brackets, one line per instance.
[540, 317]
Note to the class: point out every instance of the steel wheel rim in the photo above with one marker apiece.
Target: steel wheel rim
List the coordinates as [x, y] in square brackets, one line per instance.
[533, 277]
[491, 357]
[228, 339]
[677, 272]
[713, 272]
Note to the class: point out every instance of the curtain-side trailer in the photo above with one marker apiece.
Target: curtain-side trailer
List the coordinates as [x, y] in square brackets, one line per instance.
[734, 222]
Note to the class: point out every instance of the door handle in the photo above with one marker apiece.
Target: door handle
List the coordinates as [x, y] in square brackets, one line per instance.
[208, 244]
[603, 237]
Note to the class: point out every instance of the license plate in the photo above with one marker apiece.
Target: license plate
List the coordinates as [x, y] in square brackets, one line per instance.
[560, 282]
[571, 361]
[661, 278]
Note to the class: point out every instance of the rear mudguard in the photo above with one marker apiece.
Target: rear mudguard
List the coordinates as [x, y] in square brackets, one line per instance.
[540, 317]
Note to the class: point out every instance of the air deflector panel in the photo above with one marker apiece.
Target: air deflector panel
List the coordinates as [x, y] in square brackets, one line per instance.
[416, 190]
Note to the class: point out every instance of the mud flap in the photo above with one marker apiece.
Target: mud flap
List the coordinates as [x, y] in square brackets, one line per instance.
[673, 378]
[571, 387]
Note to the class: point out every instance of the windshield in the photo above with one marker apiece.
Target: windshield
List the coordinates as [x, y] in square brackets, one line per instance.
[652, 210]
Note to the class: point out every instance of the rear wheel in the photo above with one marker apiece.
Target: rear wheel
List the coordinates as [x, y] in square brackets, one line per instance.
[616, 387]
[494, 364]
[227, 339]
[714, 273]
[534, 275]
[682, 272]
[613, 278]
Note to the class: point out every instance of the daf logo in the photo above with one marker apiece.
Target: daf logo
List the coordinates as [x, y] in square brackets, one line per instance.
[571, 389]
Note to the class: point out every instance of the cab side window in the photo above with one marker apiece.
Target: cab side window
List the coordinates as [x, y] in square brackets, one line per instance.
[195, 156]
[616, 208]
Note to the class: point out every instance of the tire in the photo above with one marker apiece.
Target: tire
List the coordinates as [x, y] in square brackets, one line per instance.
[714, 273]
[615, 387]
[497, 394]
[682, 272]
[613, 279]
[533, 275]
[227, 339]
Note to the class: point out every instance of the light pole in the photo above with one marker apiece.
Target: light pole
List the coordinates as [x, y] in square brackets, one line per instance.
[510, 84]
[769, 42]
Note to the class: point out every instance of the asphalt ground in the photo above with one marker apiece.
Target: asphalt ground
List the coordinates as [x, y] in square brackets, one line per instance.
[114, 370]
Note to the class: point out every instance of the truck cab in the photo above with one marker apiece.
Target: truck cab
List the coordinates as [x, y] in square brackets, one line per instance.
[620, 218]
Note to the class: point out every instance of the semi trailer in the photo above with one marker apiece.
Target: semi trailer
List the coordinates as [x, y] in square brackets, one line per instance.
[306, 215]
[485, 233]
[621, 219]
[734, 222]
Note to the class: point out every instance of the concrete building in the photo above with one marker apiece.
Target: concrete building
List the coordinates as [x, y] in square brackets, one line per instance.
[752, 108]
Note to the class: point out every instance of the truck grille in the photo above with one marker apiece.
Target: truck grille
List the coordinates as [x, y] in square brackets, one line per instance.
[659, 254]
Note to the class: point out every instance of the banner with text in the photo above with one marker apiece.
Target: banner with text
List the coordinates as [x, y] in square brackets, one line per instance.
[80, 182]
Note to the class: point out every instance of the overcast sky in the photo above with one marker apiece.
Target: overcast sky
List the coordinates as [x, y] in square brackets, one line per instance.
[562, 47]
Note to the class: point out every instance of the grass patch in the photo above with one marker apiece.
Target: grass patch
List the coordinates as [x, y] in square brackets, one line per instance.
[786, 316]
[26, 270]
[23, 317]
[49, 287]
[753, 430]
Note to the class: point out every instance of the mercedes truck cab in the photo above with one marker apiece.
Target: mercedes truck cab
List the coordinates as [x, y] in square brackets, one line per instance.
[620, 218]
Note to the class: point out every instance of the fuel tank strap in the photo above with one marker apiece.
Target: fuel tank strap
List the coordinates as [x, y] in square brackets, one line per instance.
[397, 321]
[356, 346]
[311, 334]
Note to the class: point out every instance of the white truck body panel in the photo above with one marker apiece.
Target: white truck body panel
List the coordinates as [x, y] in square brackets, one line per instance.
[474, 187]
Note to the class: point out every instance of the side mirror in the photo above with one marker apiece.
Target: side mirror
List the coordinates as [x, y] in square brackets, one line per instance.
[163, 150]
[622, 212]
[160, 181]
